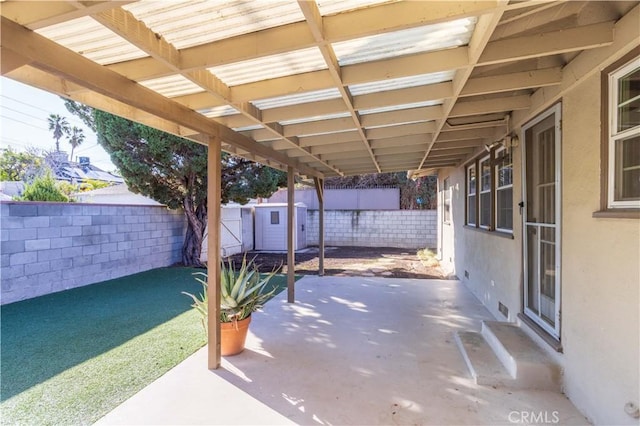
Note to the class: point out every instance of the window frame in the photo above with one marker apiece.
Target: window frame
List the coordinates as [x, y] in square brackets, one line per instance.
[275, 217]
[446, 200]
[608, 206]
[479, 182]
[469, 195]
[499, 154]
[616, 135]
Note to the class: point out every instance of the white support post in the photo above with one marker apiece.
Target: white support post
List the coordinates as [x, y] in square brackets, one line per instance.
[320, 193]
[290, 235]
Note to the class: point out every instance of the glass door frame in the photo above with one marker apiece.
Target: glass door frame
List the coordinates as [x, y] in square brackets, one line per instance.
[554, 330]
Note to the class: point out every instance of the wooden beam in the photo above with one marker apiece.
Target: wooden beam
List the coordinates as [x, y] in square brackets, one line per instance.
[428, 92]
[337, 147]
[319, 184]
[483, 30]
[11, 61]
[308, 109]
[136, 32]
[463, 109]
[457, 135]
[440, 146]
[214, 185]
[281, 86]
[341, 156]
[584, 66]
[52, 58]
[513, 81]
[425, 127]
[396, 16]
[450, 152]
[316, 140]
[315, 21]
[291, 259]
[40, 14]
[545, 44]
[400, 141]
[403, 66]
[403, 116]
[402, 149]
[372, 20]
[321, 126]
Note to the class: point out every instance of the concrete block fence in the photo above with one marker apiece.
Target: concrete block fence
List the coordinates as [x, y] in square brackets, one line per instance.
[49, 247]
[410, 229]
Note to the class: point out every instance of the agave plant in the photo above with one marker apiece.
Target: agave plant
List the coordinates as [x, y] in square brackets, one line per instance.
[241, 292]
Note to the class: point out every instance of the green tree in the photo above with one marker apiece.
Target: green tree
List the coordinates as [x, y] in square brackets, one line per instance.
[43, 188]
[59, 126]
[76, 137]
[16, 166]
[173, 171]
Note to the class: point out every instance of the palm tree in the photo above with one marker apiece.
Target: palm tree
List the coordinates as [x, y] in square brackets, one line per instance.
[59, 126]
[76, 137]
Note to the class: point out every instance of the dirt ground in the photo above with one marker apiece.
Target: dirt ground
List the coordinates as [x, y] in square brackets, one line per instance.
[351, 261]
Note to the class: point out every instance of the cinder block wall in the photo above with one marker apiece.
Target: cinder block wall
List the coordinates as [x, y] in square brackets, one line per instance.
[49, 247]
[411, 229]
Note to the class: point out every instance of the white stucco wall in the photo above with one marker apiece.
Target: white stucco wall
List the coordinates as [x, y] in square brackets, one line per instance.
[492, 261]
[600, 326]
[601, 277]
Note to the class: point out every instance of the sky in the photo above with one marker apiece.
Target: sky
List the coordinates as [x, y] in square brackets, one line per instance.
[23, 123]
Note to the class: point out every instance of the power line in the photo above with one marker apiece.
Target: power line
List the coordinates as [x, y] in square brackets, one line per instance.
[24, 103]
[23, 122]
[23, 113]
[72, 117]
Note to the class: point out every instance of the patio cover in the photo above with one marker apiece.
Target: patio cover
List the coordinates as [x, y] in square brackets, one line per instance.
[318, 88]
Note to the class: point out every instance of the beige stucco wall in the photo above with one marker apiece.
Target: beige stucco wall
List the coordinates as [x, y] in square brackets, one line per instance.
[492, 261]
[600, 328]
[600, 275]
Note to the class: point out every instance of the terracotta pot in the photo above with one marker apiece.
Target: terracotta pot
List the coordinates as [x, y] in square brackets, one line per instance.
[233, 336]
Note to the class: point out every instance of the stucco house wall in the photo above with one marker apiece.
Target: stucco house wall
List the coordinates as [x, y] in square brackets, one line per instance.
[600, 285]
[601, 276]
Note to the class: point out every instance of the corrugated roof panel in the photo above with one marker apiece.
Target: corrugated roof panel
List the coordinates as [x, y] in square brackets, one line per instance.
[296, 62]
[298, 98]
[171, 86]
[400, 107]
[247, 128]
[92, 40]
[329, 7]
[440, 36]
[316, 118]
[187, 23]
[326, 133]
[219, 111]
[400, 123]
[401, 83]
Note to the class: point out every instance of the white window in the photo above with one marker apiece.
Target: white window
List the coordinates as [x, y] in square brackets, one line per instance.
[624, 136]
[485, 192]
[504, 190]
[275, 218]
[446, 201]
[471, 195]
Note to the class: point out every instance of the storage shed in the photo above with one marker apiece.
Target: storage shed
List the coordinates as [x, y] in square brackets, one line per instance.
[236, 231]
[271, 226]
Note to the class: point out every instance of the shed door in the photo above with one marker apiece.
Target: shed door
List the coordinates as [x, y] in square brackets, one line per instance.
[301, 228]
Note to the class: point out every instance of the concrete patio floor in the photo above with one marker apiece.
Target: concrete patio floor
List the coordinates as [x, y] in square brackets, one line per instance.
[349, 351]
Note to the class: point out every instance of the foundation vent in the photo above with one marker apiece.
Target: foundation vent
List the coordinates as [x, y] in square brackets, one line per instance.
[503, 310]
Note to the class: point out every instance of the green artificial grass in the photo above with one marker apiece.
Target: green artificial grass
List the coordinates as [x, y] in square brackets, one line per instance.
[71, 357]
